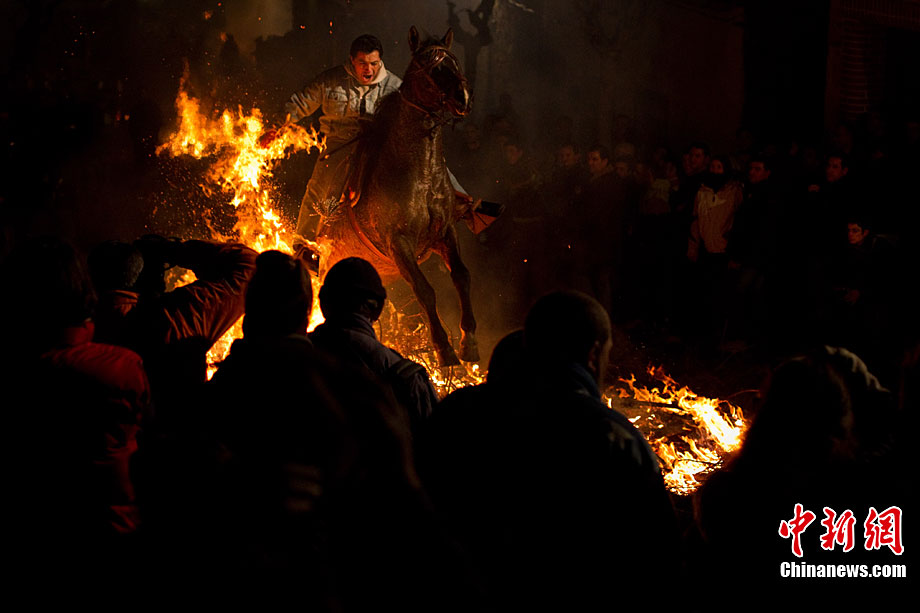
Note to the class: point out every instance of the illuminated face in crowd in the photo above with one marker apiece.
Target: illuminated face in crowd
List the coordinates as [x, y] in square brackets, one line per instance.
[512, 153]
[697, 160]
[855, 234]
[566, 156]
[596, 164]
[716, 167]
[835, 170]
[622, 169]
[367, 66]
[758, 172]
[471, 137]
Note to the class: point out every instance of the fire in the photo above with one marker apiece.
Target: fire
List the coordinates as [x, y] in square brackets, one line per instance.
[716, 427]
[241, 168]
[409, 335]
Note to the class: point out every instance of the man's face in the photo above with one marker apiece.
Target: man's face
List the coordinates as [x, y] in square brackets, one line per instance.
[367, 66]
[622, 169]
[566, 157]
[698, 160]
[513, 153]
[834, 171]
[758, 172]
[855, 234]
[596, 164]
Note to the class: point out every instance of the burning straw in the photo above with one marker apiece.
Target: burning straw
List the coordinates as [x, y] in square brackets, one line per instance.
[241, 169]
[690, 433]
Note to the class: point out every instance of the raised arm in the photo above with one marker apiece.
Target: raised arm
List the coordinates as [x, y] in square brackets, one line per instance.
[209, 306]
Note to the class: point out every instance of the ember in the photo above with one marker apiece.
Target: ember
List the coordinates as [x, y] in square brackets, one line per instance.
[241, 168]
[690, 433]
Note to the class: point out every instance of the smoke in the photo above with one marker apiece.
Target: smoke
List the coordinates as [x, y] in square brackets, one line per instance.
[248, 21]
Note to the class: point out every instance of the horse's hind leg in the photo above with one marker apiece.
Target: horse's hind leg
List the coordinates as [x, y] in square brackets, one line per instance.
[449, 250]
[403, 253]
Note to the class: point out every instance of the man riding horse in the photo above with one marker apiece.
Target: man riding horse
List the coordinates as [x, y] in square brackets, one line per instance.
[348, 95]
[383, 188]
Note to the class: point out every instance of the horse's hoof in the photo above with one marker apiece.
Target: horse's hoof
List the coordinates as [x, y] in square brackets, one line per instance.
[447, 357]
[469, 350]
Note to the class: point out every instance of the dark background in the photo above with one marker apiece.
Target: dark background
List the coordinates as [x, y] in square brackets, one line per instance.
[90, 85]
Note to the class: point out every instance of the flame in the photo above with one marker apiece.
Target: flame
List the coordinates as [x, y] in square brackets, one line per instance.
[241, 168]
[410, 336]
[717, 425]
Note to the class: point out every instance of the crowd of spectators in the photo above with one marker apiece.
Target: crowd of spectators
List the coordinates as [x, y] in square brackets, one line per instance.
[756, 246]
[323, 465]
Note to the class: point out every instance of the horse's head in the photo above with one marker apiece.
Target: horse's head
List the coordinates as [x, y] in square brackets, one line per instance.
[434, 79]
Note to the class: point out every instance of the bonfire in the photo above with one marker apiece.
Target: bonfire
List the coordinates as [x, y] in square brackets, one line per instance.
[241, 168]
[689, 432]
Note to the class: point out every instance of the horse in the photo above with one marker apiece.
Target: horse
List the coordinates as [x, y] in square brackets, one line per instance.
[402, 205]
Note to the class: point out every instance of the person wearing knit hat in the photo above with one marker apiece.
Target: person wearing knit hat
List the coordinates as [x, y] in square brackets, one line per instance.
[352, 285]
[352, 298]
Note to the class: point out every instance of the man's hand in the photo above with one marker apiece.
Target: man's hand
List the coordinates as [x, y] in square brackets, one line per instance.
[268, 137]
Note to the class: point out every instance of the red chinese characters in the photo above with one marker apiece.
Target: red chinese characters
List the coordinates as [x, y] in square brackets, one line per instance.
[838, 531]
[884, 529]
[795, 527]
[881, 529]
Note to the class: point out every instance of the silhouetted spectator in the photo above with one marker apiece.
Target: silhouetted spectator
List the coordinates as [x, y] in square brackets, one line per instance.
[352, 299]
[829, 203]
[565, 180]
[653, 239]
[753, 243]
[822, 440]
[315, 478]
[601, 217]
[561, 192]
[552, 492]
[744, 150]
[172, 330]
[864, 278]
[508, 358]
[72, 408]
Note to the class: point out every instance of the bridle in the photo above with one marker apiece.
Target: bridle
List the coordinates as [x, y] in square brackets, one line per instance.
[444, 109]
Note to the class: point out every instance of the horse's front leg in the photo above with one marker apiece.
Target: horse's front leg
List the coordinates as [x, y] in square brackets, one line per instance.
[449, 250]
[403, 252]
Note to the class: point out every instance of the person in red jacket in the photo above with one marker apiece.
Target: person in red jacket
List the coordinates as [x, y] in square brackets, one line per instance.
[74, 408]
[172, 330]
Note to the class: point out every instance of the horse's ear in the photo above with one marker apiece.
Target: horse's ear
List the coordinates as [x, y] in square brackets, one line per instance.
[448, 38]
[413, 39]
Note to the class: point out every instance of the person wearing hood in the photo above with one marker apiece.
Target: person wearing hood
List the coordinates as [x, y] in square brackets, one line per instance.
[348, 95]
[713, 213]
